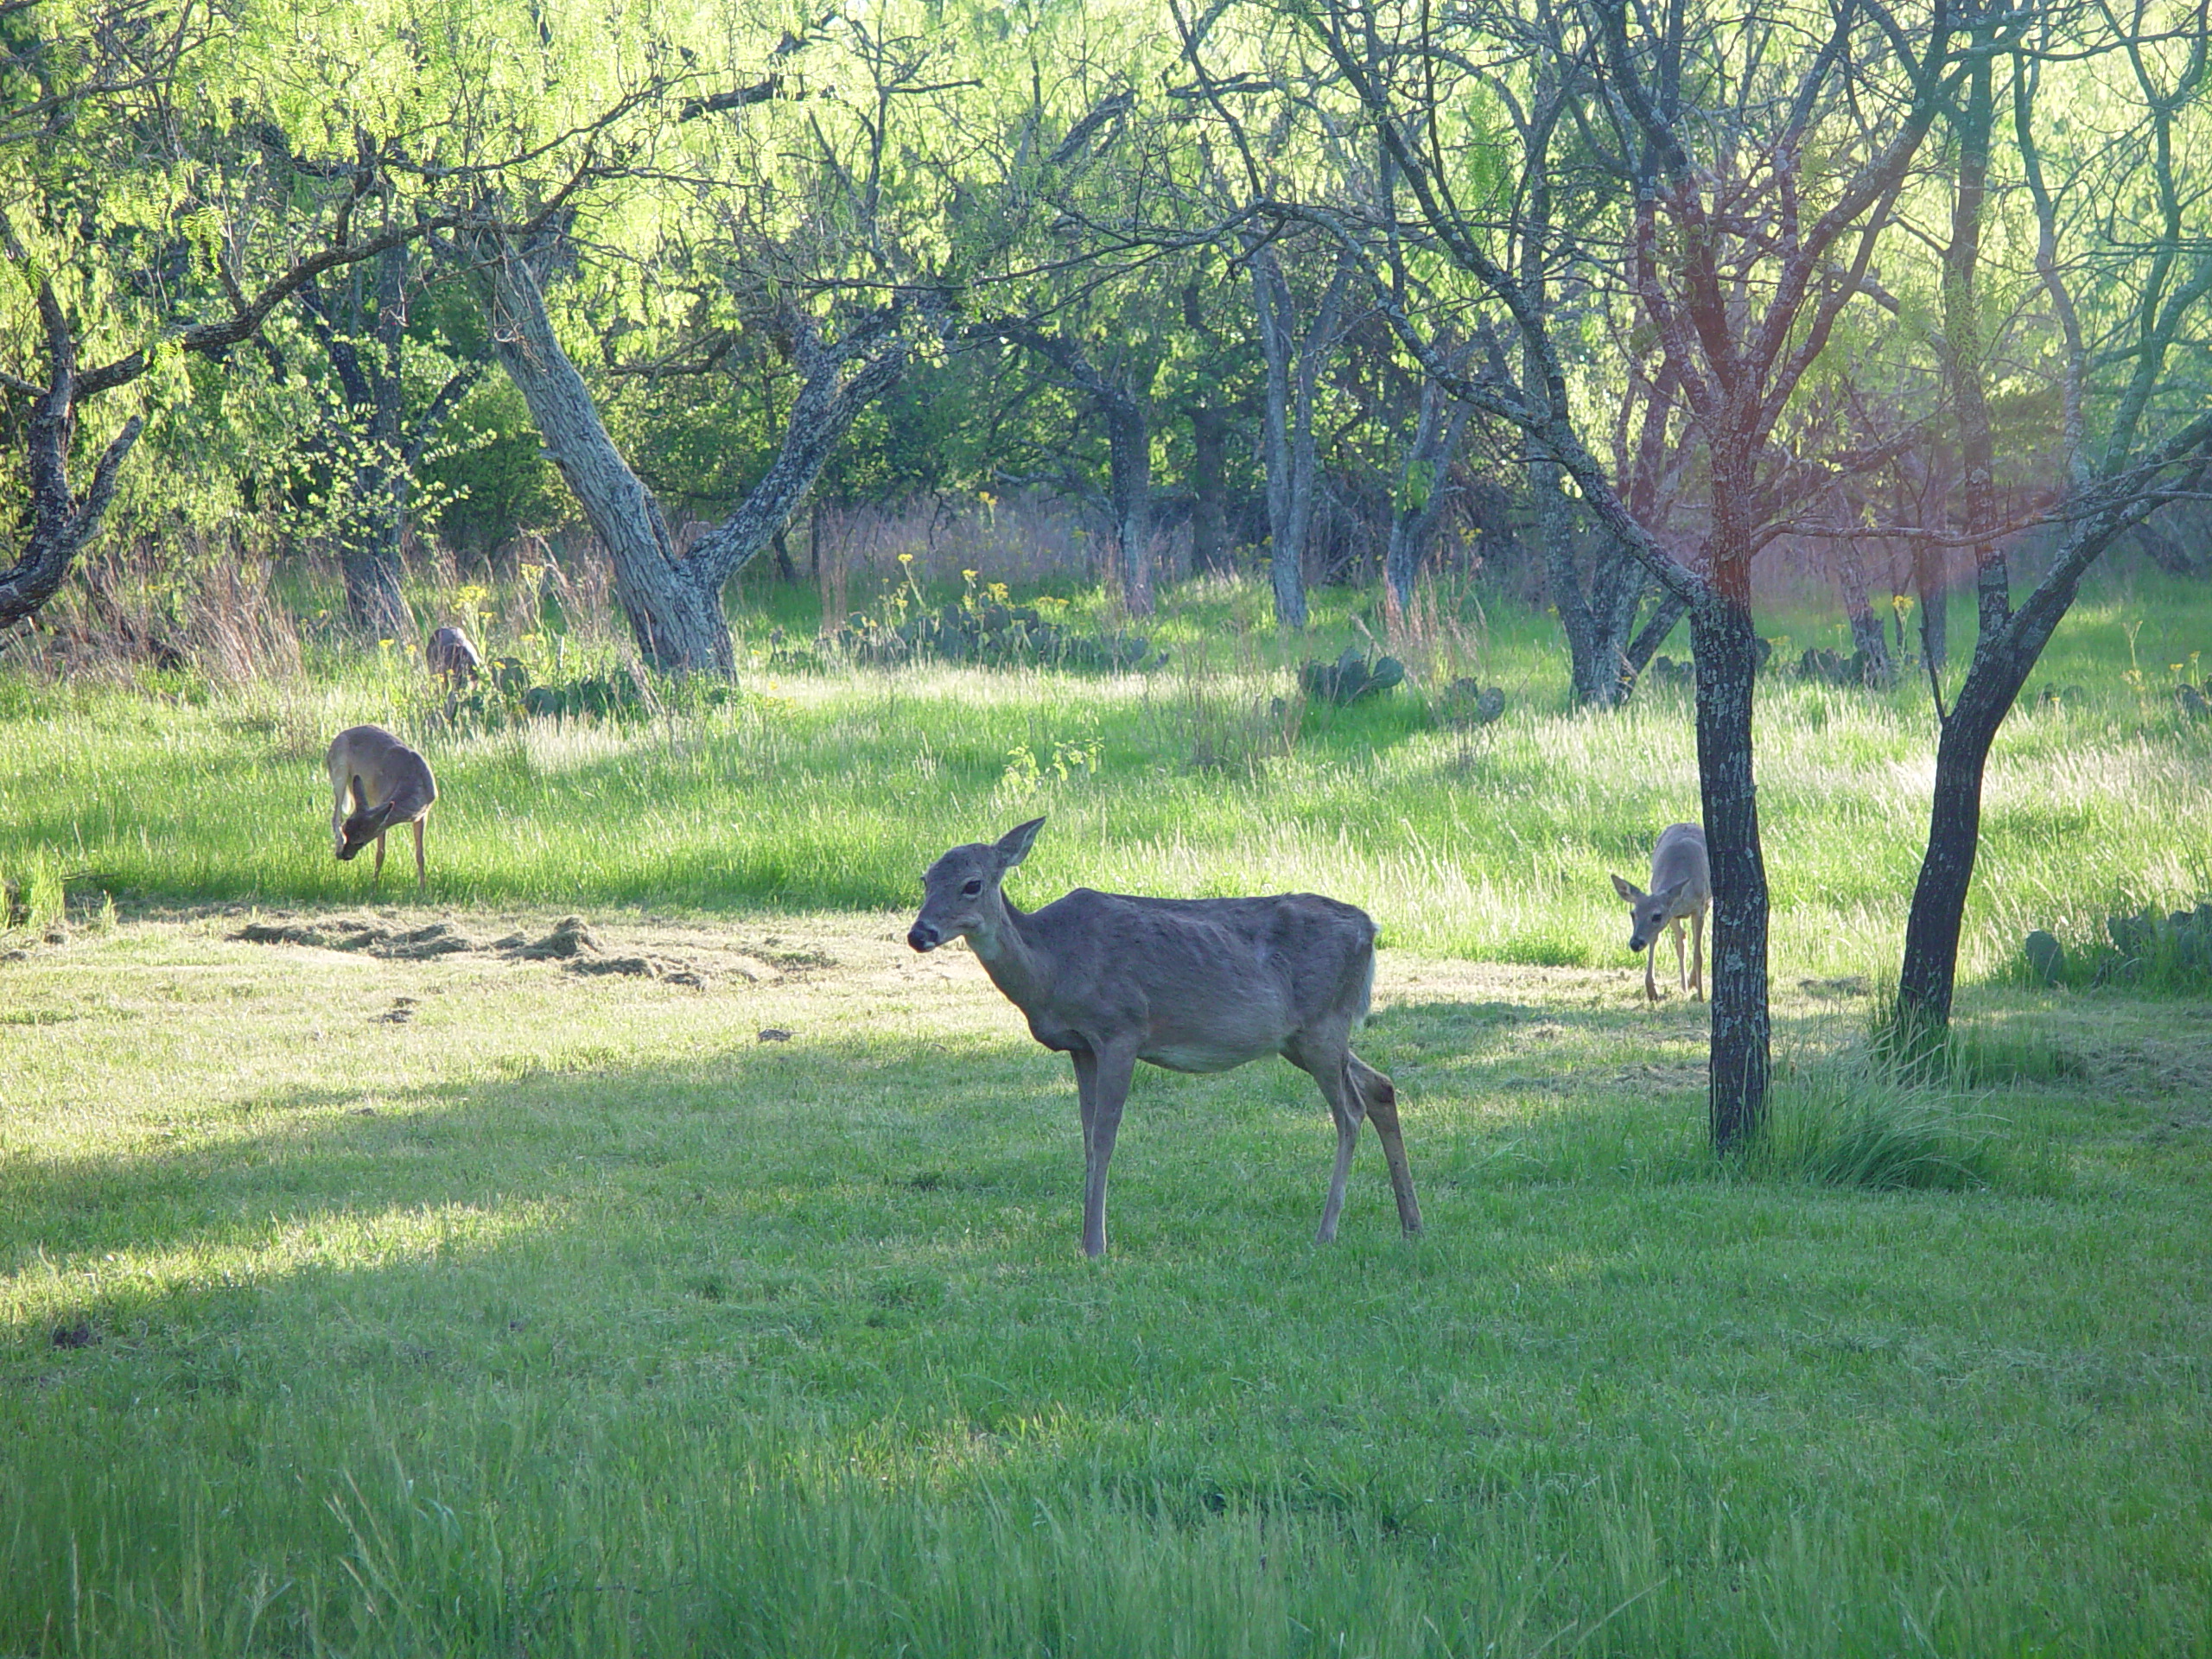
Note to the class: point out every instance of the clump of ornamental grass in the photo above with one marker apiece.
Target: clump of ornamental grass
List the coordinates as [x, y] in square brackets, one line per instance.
[1857, 1121]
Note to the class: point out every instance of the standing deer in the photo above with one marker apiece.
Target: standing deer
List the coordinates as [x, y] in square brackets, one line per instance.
[452, 659]
[1188, 985]
[378, 782]
[1681, 885]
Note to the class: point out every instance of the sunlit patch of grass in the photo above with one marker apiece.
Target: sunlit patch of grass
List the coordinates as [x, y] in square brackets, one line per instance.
[61, 1285]
[835, 789]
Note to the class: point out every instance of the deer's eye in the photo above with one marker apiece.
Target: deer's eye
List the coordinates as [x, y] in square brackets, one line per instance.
[971, 890]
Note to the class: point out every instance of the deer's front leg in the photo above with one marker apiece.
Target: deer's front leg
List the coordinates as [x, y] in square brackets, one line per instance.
[1682, 975]
[1102, 1082]
[379, 875]
[1650, 956]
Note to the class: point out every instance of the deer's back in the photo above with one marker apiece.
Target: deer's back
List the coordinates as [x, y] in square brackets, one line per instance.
[450, 649]
[1681, 855]
[1209, 977]
[388, 769]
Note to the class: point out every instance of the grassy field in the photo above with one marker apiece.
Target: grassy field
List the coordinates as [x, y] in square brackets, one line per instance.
[831, 791]
[445, 1300]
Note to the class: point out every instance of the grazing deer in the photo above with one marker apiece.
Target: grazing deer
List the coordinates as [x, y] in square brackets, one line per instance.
[452, 659]
[1189, 984]
[378, 782]
[1681, 885]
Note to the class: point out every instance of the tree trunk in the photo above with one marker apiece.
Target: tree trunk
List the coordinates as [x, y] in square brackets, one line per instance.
[1129, 442]
[673, 603]
[2001, 665]
[1294, 369]
[1423, 489]
[60, 521]
[1209, 492]
[1726, 648]
[1288, 492]
[1656, 627]
[676, 627]
[1866, 636]
[369, 557]
[1935, 616]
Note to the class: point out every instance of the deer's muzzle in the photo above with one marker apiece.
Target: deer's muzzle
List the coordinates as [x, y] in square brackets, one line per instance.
[923, 937]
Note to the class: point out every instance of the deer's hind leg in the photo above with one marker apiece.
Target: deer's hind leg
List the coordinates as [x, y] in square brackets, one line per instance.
[1681, 974]
[422, 880]
[1380, 1097]
[1329, 1063]
[378, 874]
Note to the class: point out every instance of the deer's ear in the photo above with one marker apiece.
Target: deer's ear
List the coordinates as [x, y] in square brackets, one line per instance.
[1013, 846]
[1627, 890]
[1668, 895]
[357, 797]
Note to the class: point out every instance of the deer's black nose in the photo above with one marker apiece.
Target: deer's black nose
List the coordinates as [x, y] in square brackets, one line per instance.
[922, 937]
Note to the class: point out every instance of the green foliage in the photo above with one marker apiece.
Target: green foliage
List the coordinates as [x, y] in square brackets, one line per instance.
[1467, 701]
[497, 481]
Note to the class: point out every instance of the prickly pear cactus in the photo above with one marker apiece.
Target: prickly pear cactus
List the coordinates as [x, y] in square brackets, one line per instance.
[1350, 678]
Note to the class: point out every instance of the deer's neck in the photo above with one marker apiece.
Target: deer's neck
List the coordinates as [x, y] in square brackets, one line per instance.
[1011, 955]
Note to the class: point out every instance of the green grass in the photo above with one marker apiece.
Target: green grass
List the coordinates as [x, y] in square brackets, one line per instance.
[827, 792]
[470, 1306]
[567, 1316]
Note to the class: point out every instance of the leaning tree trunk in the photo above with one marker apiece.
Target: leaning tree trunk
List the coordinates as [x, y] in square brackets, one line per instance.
[677, 627]
[60, 521]
[674, 602]
[1927, 976]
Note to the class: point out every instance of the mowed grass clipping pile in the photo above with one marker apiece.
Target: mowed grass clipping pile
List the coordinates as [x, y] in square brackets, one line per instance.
[476, 1305]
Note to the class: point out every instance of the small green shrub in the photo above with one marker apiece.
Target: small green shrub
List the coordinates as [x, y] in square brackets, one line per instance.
[1465, 703]
[33, 898]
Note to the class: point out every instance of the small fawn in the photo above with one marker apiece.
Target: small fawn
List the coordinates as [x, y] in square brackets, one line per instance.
[1681, 885]
[378, 782]
[452, 658]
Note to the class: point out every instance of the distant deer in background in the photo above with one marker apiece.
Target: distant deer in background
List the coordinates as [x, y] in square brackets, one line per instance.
[1189, 984]
[452, 659]
[378, 782]
[1681, 885]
